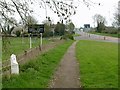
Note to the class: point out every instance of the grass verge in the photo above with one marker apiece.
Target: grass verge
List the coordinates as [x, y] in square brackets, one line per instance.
[107, 34]
[75, 35]
[98, 64]
[37, 73]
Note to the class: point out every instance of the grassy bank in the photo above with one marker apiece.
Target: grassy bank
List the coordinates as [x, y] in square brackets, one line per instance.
[75, 35]
[107, 34]
[18, 45]
[98, 64]
[37, 73]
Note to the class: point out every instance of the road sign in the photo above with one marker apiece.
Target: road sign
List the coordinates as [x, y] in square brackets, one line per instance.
[36, 28]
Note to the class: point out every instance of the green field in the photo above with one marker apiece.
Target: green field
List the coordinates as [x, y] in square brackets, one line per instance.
[0, 48]
[37, 73]
[0, 60]
[19, 45]
[98, 64]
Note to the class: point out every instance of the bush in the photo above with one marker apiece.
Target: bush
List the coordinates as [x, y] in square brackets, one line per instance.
[67, 36]
[70, 36]
[18, 33]
[25, 34]
[110, 30]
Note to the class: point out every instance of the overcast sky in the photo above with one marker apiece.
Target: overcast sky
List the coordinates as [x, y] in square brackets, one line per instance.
[84, 14]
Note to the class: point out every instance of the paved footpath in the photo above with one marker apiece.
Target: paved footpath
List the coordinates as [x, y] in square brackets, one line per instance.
[67, 74]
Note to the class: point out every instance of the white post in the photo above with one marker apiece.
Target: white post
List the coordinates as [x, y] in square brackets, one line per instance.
[41, 41]
[14, 65]
[30, 41]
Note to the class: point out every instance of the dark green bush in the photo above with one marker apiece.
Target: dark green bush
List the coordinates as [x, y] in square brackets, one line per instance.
[18, 33]
[67, 36]
[70, 36]
[25, 34]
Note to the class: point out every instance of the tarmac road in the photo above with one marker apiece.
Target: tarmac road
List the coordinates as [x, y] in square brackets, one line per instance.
[88, 36]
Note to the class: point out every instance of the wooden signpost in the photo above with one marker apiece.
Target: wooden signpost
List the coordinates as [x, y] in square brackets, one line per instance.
[35, 29]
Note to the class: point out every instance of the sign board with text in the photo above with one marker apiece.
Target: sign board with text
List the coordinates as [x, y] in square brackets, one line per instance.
[36, 28]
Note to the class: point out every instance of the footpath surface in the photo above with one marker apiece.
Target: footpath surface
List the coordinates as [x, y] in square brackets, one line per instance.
[67, 74]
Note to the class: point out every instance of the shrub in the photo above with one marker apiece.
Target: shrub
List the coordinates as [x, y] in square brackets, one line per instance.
[110, 30]
[70, 36]
[25, 34]
[18, 33]
[67, 36]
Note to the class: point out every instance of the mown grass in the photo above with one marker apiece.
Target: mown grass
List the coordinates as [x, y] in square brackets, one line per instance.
[75, 35]
[98, 64]
[107, 34]
[18, 45]
[0, 61]
[38, 72]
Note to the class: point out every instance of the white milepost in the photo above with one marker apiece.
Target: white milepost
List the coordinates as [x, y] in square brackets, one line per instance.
[14, 65]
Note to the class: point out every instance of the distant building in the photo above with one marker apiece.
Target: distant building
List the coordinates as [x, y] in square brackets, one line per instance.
[81, 29]
[86, 27]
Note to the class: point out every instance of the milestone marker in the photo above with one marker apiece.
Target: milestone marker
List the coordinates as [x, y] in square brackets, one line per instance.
[14, 65]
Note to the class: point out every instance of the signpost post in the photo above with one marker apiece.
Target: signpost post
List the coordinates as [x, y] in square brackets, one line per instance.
[36, 28]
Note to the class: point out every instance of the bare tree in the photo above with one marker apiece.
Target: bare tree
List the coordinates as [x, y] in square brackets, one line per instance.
[100, 20]
[117, 16]
[116, 22]
[23, 7]
[31, 20]
[70, 26]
